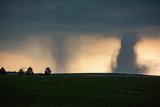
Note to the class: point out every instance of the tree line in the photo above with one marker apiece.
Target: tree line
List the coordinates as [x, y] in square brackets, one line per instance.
[28, 72]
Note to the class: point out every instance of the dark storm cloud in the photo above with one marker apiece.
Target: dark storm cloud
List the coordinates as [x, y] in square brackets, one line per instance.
[21, 17]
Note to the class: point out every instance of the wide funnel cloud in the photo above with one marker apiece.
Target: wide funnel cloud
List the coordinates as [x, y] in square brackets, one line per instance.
[127, 56]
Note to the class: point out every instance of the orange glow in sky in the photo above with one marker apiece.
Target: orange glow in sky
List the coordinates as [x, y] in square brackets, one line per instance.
[88, 54]
[148, 54]
[34, 53]
[94, 54]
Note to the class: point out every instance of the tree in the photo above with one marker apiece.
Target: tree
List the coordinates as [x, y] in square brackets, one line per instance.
[29, 71]
[2, 71]
[21, 72]
[48, 71]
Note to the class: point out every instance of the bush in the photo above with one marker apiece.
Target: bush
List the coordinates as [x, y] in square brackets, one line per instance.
[2, 71]
[48, 71]
[21, 72]
[29, 71]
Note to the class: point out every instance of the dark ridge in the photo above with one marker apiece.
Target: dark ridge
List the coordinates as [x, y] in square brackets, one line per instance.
[101, 74]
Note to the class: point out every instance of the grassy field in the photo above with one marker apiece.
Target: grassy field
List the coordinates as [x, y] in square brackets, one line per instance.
[78, 91]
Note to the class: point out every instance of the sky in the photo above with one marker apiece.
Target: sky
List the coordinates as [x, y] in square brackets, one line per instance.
[81, 36]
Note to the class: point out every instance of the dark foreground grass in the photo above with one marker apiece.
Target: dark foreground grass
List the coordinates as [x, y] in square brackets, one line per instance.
[78, 91]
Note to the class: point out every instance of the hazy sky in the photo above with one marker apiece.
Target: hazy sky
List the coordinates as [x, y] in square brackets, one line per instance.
[78, 35]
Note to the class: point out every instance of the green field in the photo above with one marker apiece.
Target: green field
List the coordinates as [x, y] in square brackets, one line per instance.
[78, 91]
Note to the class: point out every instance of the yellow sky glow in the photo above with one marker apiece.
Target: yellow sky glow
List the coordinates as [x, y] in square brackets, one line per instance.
[148, 54]
[88, 54]
[94, 54]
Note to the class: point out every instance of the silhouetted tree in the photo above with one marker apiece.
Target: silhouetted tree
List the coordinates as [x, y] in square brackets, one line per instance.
[29, 71]
[47, 71]
[21, 72]
[2, 71]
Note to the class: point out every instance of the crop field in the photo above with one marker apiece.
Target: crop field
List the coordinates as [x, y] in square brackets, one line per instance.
[78, 91]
